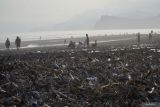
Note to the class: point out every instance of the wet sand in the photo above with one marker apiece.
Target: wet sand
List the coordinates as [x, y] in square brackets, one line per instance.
[60, 42]
[114, 40]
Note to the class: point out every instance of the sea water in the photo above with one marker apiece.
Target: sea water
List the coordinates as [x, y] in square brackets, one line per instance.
[47, 35]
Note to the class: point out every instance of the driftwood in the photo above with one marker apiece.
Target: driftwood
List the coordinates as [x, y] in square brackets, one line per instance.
[123, 77]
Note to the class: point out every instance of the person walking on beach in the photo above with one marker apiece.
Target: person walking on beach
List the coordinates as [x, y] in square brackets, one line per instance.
[7, 43]
[87, 41]
[18, 42]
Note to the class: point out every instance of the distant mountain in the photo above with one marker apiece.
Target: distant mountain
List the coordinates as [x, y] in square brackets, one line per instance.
[97, 19]
[83, 21]
[115, 22]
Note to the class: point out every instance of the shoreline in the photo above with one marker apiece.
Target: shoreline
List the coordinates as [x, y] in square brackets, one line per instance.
[103, 42]
[55, 42]
[64, 45]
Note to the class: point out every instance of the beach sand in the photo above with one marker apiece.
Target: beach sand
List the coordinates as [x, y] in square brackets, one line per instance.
[103, 41]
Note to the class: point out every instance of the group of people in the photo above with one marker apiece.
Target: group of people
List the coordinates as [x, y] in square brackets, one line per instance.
[86, 43]
[149, 40]
[17, 43]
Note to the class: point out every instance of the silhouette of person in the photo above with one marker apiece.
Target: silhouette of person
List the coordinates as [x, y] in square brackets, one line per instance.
[18, 42]
[7, 43]
[139, 39]
[150, 36]
[72, 44]
[87, 40]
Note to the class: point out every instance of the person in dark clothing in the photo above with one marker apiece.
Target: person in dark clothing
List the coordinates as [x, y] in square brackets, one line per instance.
[87, 40]
[7, 43]
[18, 42]
[72, 44]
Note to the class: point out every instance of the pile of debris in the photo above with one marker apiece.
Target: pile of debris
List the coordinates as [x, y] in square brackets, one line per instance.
[119, 78]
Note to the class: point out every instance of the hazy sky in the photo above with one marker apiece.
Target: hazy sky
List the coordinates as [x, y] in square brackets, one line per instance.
[33, 13]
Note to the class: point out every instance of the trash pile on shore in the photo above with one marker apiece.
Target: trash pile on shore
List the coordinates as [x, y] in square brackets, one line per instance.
[115, 78]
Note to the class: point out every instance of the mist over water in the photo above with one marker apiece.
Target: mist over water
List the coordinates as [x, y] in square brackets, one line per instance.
[31, 36]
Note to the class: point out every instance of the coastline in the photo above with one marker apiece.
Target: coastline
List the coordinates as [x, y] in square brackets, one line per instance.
[103, 42]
